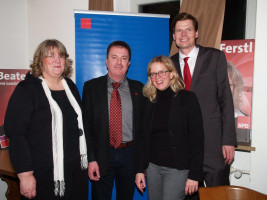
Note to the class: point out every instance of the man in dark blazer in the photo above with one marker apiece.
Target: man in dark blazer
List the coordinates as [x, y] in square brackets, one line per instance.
[106, 161]
[210, 83]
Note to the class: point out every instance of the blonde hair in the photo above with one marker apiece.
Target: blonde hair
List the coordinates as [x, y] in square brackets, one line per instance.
[176, 83]
[43, 50]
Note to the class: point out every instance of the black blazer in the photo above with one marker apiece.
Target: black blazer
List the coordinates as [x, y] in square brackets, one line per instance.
[96, 118]
[28, 124]
[185, 135]
[211, 85]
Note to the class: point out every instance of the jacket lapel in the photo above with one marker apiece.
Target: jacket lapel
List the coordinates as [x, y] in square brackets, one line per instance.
[177, 65]
[102, 99]
[134, 96]
[198, 66]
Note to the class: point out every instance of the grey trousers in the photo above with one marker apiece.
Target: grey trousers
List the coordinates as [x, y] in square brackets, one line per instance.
[164, 183]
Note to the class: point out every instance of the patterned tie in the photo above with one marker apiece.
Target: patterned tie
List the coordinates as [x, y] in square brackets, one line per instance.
[187, 74]
[115, 121]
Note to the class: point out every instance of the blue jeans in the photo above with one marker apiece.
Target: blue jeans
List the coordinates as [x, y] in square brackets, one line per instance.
[121, 170]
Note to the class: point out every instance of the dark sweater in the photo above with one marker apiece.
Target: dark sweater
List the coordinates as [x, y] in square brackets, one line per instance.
[160, 148]
[185, 135]
[70, 126]
[28, 126]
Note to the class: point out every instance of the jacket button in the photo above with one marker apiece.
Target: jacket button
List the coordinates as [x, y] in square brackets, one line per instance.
[173, 147]
[171, 132]
[80, 132]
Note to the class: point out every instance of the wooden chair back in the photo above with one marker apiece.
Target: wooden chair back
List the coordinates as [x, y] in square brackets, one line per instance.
[230, 193]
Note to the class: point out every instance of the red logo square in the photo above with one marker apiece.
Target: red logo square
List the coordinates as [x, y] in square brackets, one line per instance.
[85, 23]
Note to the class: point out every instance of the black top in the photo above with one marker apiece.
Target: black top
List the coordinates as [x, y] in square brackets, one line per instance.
[28, 124]
[160, 147]
[70, 126]
[184, 135]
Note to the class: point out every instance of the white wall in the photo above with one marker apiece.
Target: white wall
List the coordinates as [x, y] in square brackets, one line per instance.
[13, 34]
[256, 161]
[53, 19]
[242, 160]
[259, 120]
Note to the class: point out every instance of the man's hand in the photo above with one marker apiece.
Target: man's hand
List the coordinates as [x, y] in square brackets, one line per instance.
[140, 181]
[27, 184]
[93, 171]
[228, 153]
[191, 186]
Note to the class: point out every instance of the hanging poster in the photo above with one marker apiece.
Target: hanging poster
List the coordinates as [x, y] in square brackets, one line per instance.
[9, 78]
[240, 65]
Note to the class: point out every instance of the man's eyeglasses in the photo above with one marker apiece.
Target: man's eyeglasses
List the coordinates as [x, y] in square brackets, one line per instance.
[160, 74]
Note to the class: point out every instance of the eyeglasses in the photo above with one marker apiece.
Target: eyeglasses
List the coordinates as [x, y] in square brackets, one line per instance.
[160, 73]
[55, 58]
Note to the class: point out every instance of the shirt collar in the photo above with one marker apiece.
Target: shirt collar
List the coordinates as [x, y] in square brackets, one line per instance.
[193, 53]
[123, 81]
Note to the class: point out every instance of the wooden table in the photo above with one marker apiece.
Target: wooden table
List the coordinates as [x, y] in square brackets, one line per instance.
[8, 174]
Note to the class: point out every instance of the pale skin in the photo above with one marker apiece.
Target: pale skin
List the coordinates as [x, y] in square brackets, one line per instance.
[27, 184]
[185, 37]
[228, 153]
[244, 103]
[93, 171]
[53, 67]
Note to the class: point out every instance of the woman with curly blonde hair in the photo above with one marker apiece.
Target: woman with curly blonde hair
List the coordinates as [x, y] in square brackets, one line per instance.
[169, 148]
[176, 83]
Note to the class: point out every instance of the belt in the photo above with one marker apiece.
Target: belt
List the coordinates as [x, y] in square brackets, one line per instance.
[123, 145]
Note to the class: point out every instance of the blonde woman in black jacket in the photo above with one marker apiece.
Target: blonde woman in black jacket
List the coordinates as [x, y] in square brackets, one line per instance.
[170, 146]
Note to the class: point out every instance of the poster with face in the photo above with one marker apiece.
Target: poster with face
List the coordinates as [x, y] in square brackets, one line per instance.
[240, 65]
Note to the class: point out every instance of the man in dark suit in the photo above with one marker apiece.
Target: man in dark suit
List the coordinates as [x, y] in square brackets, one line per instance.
[110, 147]
[209, 81]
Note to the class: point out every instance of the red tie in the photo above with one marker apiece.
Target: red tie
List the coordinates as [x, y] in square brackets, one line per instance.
[187, 74]
[115, 121]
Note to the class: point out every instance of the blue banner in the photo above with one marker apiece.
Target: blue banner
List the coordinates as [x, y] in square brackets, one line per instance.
[147, 35]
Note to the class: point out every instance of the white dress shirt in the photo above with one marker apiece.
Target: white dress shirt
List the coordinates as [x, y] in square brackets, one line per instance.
[191, 61]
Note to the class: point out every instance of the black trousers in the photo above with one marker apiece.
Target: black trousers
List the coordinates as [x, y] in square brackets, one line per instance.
[121, 170]
[216, 173]
[76, 183]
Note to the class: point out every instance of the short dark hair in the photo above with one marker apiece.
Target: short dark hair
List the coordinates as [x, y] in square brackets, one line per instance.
[120, 44]
[184, 16]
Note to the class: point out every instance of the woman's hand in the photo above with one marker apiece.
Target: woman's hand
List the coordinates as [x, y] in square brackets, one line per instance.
[27, 184]
[140, 181]
[191, 186]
